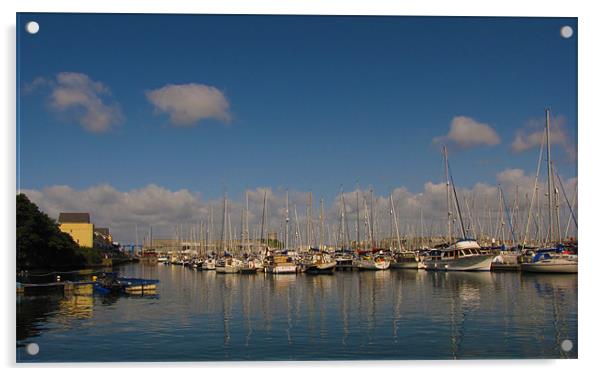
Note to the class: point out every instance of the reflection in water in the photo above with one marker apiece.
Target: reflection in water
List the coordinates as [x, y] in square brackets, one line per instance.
[392, 314]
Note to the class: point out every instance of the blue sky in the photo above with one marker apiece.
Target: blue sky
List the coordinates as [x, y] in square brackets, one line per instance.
[313, 103]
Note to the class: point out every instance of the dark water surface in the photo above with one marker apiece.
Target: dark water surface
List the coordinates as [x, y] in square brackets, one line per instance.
[393, 314]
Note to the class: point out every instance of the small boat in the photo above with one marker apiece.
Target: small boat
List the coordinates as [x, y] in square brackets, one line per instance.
[228, 265]
[208, 264]
[248, 267]
[463, 255]
[551, 262]
[344, 260]
[280, 264]
[372, 262]
[320, 263]
[112, 283]
[405, 260]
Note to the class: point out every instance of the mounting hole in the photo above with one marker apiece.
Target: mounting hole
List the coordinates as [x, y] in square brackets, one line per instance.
[32, 349]
[566, 345]
[566, 32]
[32, 27]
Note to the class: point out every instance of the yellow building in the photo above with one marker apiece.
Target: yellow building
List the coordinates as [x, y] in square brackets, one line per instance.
[79, 227]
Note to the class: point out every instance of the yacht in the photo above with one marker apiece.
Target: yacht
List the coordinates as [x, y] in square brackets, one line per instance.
[228, 265]
[371, 262]
[344, 260]
[319, 263]
[248, 266]
[208, 264]
[280, 264]
[463, 255]
[551, 262]
[405, 260]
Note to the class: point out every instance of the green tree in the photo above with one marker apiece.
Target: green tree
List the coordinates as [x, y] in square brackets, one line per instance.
[40, 242]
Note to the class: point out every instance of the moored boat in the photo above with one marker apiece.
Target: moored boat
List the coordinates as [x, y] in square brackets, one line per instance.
[372, 262]
[248, 267]
[280, 264]
[208, 264]
[320, 263]
[344, 260]
[551, 262]
[405, 260]
[463, 255]
[228, 265]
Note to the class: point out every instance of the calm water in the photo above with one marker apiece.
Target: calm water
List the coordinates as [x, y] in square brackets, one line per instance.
[395, 314]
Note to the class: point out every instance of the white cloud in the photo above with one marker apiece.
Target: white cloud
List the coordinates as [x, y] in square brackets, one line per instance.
[532, 134]
[189, 103]
[466, 132]
[84, 100]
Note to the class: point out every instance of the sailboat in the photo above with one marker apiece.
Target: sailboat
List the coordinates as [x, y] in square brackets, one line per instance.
[226, 264]
[319, 262]
[281, 262]
[370, 261]
[464, 254]
[552, 260]
[208, 264]
[402, 258]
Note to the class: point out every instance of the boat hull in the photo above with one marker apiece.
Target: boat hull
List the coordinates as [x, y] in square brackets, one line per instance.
[371, 265]
[463, 264]
[228, 269]
[404, 265]
[282, 269]
[538, 267]
[324, 268]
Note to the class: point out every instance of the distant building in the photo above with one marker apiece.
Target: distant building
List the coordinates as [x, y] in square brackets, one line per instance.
[79, 227]
[103, 238]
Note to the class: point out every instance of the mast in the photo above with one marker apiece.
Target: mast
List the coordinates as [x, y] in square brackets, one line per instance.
[224, 225]
[421, 229]
[550, 184]
[357, 231]
[367, 227]
[372, 245]
[534, 195]
[396, 224]
[321, 223]
[286, 219]
[308, 215]
[136, 230]
[210, 227]
[556, 207]
[297, 230]
[455, 197]
[449, 212]
[344, 225]
[244, 226]
[261, 238]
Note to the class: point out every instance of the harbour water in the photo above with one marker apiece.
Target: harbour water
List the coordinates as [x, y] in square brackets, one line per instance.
[392, 314]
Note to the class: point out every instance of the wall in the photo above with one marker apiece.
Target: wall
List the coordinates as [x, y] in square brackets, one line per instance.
[82, 233]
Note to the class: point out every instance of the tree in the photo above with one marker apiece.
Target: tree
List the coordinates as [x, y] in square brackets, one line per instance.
[40, 242]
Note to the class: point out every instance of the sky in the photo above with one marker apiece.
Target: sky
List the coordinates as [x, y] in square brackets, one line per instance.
[154, 117]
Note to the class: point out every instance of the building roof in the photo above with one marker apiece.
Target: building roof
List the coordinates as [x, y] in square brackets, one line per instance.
[74, 218]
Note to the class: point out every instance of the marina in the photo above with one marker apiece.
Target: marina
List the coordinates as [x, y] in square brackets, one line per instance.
[539, 251]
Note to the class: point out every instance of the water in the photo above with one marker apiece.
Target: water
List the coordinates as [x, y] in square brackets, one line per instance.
[393, 314]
